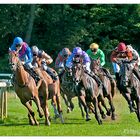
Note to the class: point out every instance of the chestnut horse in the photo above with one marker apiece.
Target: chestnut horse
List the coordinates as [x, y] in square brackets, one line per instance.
[25, 87]
[53, 90]
[110, 88]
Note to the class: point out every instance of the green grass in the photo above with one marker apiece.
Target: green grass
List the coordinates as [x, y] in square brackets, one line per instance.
[16, 124]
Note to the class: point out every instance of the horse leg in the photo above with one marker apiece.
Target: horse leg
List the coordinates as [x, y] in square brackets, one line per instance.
[53, 103]
[138, 108]
[46, 112]
[101, 111]
[71, 106]
[129, 101]
[83, 102]
[111, 106]
[95, 102]
[31, 121]
[30, 111]
[37, 102]
[105, 106]
[80, 106]
[59, 107]
[66, 102]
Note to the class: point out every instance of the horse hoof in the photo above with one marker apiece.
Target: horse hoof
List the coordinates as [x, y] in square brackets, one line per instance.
[100, 122]
[113, 118]
[40, 115]
[88, 119]
[68, 110]
[108, 113]
[47, 123]
[103, 116]
[32, 123]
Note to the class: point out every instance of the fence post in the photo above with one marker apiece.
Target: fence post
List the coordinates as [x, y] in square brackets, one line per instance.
[3, 100]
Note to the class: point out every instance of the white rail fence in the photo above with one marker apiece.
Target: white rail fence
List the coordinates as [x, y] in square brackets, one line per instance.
[5, 82]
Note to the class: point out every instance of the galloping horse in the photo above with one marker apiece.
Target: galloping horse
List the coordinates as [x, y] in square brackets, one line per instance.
[53, 89]
[68, 91]
[110, 88]
[130, 86]
[89, 90]
[25, 88]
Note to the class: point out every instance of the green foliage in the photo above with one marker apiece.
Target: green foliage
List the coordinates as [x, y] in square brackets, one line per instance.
[63, 25]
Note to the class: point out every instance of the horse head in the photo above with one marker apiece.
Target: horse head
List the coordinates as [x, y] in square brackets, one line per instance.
[125, 73]
[95, 65]
[13, 60]
[77, 73]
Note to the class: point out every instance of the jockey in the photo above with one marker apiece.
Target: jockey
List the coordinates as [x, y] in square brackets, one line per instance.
[125, 52]
[94, 53]
[79, 55]
[135, 55]
[25, 55]
[45, 61]
[61, 60]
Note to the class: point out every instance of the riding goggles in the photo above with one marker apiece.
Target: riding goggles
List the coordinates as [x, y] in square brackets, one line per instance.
[94, 50]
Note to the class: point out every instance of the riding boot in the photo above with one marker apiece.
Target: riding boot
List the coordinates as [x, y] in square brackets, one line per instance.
[34, 75]
[137, 73]
[32, 72]
[51, 73]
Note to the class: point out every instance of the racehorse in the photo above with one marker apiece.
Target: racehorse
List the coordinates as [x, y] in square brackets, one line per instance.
[53, 90]
[68, 91]
[25, 87]
[110, 88]
[89, 90]
[130, 86]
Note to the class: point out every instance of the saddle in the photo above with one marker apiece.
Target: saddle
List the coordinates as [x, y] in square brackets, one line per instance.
[32, 72]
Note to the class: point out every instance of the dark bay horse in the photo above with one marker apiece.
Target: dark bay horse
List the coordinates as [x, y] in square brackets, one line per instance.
[130, 86]
[25, 87]
[53, 91]
[68, 91]
[89, 88]
[110, 88]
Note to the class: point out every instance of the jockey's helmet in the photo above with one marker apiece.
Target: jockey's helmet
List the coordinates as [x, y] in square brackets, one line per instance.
[18, 41]
[94, 46]
[77, 51]
[121, 47]
[35, 50]
[65, 52]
